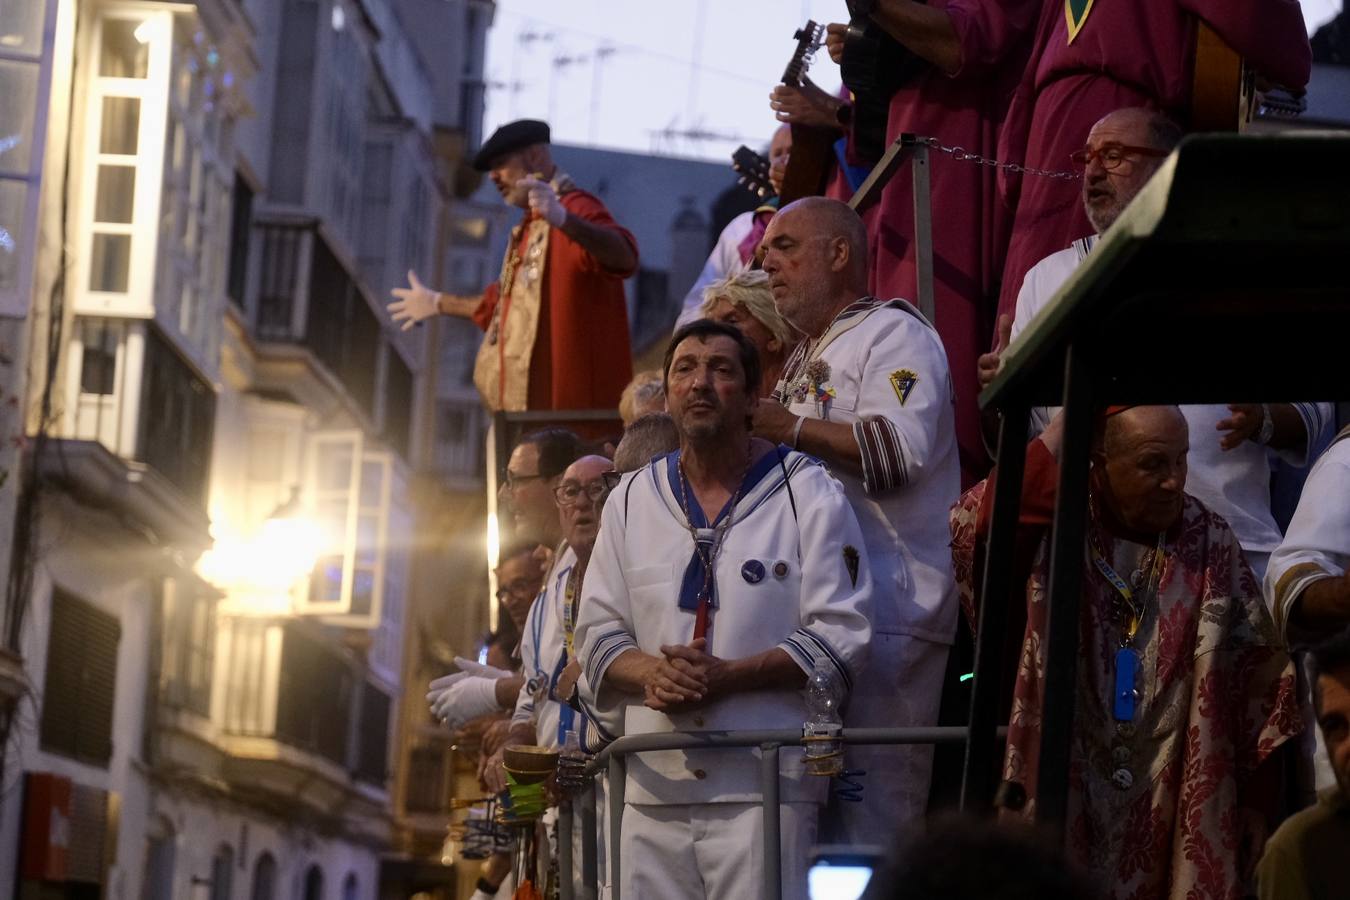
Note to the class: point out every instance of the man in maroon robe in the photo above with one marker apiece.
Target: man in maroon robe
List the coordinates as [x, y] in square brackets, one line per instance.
[976, 50]
[1090, 58]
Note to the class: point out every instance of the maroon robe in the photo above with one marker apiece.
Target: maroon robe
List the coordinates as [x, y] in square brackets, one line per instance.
[1125, 54]
[969, 225]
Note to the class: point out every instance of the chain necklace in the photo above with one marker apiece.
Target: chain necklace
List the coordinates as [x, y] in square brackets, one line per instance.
[709, 555]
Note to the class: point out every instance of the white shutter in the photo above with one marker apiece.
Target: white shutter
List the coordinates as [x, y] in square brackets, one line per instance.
[333, 467]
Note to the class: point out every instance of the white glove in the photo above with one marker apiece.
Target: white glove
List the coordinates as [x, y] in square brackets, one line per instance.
[464, 700]
[415, 302]
[473, 667]
[544, 201]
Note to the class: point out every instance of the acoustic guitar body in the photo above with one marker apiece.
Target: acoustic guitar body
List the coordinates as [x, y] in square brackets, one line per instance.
[1222, 95]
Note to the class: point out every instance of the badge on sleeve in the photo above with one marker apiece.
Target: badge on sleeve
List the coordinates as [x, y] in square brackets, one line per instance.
[903, 380]
[851, 563]
[752, 570]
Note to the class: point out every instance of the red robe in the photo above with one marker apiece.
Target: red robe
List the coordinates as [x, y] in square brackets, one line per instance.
[1125, 54]
[969, 225]
[581, 358]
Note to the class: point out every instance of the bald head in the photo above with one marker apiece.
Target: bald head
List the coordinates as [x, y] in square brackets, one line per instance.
[815, 254]
[1139, 466]
[836, 220]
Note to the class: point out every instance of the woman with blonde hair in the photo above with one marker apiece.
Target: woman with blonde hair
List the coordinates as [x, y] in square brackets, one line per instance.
[745, 301]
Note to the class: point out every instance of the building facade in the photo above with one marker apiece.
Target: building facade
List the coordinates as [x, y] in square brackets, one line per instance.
[226, 475]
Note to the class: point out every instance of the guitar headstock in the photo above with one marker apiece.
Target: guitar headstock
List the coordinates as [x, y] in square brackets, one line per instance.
[753, 170]
[810, 38]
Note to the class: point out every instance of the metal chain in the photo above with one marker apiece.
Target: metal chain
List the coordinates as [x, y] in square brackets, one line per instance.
[960, 154]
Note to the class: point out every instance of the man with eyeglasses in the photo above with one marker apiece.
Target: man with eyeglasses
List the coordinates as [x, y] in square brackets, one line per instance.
[533, 471]
[1230, 444]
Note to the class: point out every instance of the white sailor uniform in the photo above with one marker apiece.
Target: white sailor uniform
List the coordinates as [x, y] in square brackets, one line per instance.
[881, 367]
[790, 572]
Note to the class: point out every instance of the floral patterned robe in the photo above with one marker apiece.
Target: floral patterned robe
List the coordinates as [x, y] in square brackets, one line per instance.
[1216, 697]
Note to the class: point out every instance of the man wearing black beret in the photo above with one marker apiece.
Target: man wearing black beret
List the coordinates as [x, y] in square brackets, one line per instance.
[555, 320]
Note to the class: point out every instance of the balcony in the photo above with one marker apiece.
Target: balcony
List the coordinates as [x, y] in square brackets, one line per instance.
[302, 718]
[137, 430]
[306, 295]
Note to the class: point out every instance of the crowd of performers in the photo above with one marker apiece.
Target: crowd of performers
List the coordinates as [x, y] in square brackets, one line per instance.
[803, 489]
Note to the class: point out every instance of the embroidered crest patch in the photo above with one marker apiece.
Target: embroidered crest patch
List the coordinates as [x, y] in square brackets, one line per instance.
[851, 563]
[1075, 14]
[903, 380]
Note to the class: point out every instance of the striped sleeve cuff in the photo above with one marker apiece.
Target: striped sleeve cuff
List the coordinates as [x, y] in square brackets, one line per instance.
[524, 711]
[883, 458]
[807, 648]
[1287, 590]
[1313, 423]
[604, 651]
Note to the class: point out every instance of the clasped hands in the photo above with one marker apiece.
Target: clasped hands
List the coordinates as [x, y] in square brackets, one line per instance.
[683, 678]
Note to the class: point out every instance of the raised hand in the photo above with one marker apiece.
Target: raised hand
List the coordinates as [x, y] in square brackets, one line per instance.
[544, 201]
[414, 302]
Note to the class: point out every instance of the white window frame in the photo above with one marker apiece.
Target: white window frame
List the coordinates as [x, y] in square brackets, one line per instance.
[339, 612]
[153, 93]
[15, 303]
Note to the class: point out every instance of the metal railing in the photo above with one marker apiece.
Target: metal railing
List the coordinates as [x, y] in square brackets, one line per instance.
[613, 760]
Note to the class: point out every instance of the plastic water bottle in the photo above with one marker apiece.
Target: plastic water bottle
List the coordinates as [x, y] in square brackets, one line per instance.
[823, 726]
[571, 763]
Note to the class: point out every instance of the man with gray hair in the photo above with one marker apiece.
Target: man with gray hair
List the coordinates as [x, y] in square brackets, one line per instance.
[649, 436]
[1230, 444]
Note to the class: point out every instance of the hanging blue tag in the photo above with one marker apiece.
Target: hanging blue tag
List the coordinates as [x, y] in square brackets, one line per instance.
[1127, 673]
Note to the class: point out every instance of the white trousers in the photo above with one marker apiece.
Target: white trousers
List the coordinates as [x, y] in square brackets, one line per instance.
[901, 686]
[710, 851]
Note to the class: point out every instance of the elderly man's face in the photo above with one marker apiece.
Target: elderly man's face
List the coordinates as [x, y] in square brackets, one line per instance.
[780, 149]
[738, 317]
[577, 496]
[506, 173]
[518, 581]
[1141, 471]
[706, 390]
[798, 260]
[1333, 715]
[1106, 193]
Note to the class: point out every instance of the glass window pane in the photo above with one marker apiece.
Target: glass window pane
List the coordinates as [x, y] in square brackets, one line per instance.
[334, 467]
[13, 200]
[121, 121]
[325, 584]
[110, 266]
[123, 55]
[363, 592]
[18, 98]
[115, 199]
[98, 367]
[21, 26]
[372, 484]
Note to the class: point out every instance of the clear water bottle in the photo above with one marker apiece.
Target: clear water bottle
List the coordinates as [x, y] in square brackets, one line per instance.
[824, 725]
[571, 763]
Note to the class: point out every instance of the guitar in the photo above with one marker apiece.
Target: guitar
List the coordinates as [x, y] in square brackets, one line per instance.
[1222, 89]
[753, 170]
[808, 168]
[874, 66]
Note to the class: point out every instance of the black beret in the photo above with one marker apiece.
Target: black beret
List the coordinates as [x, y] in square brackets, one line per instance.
[510, 137]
